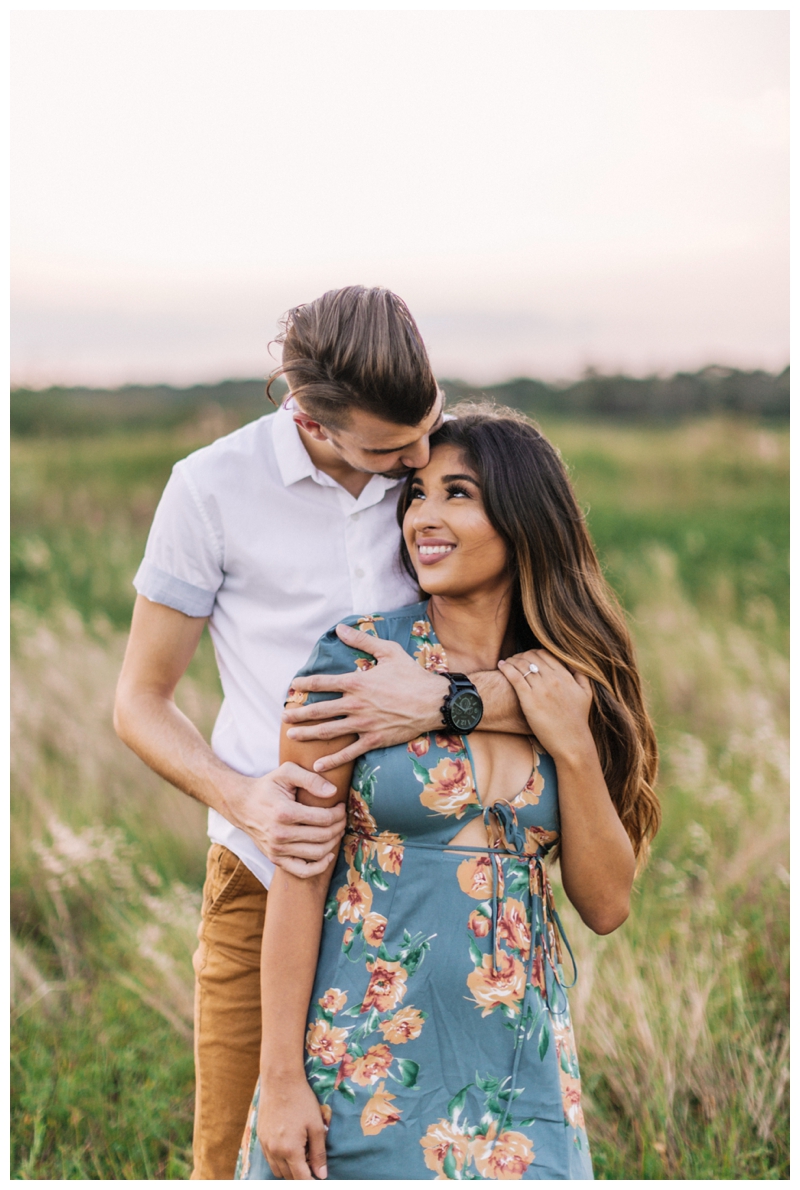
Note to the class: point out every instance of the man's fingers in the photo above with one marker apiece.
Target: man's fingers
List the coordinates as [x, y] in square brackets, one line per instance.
[316, 712]
[323, 731]
[299, 867]
[351, 752]
[366, 642]
[297, 778]
[298, 814]
[310, 852]
[324, 683]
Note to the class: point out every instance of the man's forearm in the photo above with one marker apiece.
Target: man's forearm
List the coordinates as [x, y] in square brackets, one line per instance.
[155, 729]
[501, 709]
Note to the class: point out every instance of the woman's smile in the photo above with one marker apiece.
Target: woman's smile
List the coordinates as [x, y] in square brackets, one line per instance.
[431, 550]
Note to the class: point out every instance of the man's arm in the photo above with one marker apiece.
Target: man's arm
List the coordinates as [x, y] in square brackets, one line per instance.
[161, 645]
[392, 703]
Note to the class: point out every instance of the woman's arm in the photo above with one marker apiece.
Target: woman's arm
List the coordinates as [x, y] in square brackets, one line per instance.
[290, 1125]
[597, 860]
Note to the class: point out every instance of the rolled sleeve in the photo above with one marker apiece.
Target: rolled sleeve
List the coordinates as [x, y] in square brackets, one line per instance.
[183, 562]
[161, 587]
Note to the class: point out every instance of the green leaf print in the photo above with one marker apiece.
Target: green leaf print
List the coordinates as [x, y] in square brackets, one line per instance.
[449, 1165]
[377, 878]
[408, 1071]
[544, 1041]
[331, 908]
[527, 1123]
[354, 1011]
[475, 954]
[348, 1093]
[420, 772]
[488, 1085]
[456, 1104]
[565, 1066]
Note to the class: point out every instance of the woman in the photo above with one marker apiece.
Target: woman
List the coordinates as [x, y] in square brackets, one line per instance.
[430, 1001]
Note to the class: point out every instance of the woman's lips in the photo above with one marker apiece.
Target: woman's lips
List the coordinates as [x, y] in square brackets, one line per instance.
[431, 552]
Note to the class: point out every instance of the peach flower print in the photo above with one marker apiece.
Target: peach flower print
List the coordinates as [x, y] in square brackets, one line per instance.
[355, 898]
[432, 657]
[365, 662]
[571, 1099]
[475, 877]
[348, 936]
[404, 1026]
[504, 1158]
[295, 698]
[389, 848]
[326, 1112]
[333, 1001]
[440, 1139]
[378, 1112]
[450, 743]
[450, 788]
[387, 985]
[513, 926]
[502, 985]
[420, 745]
[359, 818]
[479, 924]
[367, 624]
[326, 1042]
[374, 928]
[372, 1065]
[536, 837]
[537, 971]
[421, 628]
[530, 795]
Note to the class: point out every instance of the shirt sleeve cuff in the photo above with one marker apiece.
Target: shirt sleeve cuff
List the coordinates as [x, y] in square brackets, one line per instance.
[160, 587]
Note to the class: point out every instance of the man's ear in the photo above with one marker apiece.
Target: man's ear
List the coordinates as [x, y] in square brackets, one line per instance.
[311, 427]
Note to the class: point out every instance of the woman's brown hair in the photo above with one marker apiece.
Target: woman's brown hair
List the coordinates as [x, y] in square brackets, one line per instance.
[561, 600]
[356, 348]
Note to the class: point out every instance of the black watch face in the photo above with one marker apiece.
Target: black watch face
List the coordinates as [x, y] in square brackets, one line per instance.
[466, 710]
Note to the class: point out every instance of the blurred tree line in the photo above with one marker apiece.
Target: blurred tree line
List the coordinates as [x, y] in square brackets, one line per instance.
[714, 389]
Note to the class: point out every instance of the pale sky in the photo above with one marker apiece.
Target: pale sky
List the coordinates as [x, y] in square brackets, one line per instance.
[547, 190]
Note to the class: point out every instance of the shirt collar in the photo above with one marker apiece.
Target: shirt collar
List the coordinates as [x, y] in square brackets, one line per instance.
[294, 462]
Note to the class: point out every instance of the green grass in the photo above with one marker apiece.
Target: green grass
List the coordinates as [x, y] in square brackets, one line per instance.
[681, 1015]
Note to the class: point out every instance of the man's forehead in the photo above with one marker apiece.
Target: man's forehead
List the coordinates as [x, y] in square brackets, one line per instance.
[375, 434]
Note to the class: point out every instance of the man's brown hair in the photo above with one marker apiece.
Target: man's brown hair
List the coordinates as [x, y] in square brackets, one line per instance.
[356, 348]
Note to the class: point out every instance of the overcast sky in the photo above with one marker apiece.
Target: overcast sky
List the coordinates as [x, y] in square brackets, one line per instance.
[547, 190]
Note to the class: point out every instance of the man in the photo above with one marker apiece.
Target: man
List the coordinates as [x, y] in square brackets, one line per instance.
[270, 535]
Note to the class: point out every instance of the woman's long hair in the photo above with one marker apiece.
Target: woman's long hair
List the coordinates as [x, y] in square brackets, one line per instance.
[561, 601]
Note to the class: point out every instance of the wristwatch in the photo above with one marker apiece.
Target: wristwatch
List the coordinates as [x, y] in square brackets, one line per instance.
[462, 709]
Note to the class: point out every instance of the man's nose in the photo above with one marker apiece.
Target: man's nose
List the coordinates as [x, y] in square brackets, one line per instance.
[417, 455]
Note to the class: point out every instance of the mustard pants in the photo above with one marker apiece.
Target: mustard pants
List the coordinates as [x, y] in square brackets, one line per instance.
[227, 1018]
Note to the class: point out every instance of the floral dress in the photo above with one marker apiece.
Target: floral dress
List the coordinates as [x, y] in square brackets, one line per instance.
[439, 1041]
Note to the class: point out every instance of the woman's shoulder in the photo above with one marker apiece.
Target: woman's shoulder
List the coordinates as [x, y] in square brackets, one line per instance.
[397, 624]
[331, 655]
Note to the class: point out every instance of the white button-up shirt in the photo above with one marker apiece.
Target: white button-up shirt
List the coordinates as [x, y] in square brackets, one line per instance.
[249, 533]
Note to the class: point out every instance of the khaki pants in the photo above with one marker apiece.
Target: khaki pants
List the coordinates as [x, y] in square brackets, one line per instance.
[227, 1020]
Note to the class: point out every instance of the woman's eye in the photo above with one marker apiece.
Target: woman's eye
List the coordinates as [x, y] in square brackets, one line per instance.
[455, 490]
[417, 494]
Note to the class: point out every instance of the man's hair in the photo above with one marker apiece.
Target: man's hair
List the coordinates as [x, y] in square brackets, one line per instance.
[356, 348]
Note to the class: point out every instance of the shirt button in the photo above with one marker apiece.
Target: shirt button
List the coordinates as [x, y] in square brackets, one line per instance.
[359, 573]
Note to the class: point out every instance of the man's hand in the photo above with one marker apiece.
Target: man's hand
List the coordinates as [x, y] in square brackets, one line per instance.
[392, 703]
[300, 839]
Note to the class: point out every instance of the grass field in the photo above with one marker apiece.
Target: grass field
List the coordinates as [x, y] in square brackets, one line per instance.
[682, 1015]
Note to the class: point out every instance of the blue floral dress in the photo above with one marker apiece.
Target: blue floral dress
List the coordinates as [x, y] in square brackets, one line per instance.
[439, 1041]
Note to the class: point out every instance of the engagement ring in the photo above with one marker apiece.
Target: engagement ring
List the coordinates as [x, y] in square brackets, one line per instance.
[534, 669]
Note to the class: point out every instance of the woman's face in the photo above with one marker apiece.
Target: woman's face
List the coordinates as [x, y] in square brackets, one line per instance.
[453, 545]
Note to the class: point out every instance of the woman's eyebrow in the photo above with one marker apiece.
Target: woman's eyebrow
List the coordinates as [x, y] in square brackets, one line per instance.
[469, 479]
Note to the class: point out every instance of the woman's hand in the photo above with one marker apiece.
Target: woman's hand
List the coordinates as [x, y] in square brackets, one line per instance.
[291, 1129]
[555, 701]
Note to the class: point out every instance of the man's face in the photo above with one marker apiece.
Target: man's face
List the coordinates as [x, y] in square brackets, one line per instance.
[368, 443]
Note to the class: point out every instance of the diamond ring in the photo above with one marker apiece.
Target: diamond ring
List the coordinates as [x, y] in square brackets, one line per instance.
[534, 669]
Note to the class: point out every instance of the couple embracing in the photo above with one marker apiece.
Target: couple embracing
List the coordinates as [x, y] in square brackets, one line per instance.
[395, 1006]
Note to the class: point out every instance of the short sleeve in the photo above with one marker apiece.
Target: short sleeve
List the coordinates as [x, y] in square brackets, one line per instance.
[332, 656]
[182, 565]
